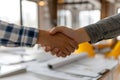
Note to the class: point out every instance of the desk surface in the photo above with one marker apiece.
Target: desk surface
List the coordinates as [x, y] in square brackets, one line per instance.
[107, 76]
[116, 73]
[116, 76]
[112, 75]
[28, 76]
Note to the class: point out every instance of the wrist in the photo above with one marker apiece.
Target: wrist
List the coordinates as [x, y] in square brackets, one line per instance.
[42, 36]
[82, 35]
[38, 37]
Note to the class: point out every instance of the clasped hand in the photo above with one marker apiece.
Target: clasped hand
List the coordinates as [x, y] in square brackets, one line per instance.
[61, 41]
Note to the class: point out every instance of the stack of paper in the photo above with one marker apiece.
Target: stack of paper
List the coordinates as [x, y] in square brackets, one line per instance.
[11, 50]
[11, 70]
[24, 77]
[42, 69]
[58, 62]
[75, 67]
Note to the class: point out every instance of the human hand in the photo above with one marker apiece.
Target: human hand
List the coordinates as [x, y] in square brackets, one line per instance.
[79, 35]
[59, 44]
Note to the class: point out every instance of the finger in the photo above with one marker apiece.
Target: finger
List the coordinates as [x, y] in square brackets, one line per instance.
[73, 44]
[66, 52]
[55, 51]
[57, 29]
[47, 48]
[61, 54]
[42, 45]
[69, 52]
[70, 48]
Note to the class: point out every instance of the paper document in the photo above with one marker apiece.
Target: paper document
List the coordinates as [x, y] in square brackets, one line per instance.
[58, 62]
[44, 70]
[9, 49]
[82, 65]
[74, 67]
[23, 78]
[11, 70]
[11, 59]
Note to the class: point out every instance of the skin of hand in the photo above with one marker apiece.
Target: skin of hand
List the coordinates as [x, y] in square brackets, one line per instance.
[59, 44]
[79, 35]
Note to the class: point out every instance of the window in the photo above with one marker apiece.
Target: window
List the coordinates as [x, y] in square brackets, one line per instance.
[29, 10]
[64, 18]
[10, 11]
[118, 12]
[88, 17]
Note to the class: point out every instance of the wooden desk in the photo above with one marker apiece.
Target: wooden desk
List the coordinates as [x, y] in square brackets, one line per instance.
[112, 75]
[117, 73]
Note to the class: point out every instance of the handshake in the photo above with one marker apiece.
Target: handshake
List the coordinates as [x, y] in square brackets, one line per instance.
[62, 41]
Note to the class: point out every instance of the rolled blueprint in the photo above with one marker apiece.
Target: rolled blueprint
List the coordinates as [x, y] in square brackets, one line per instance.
[58, 62]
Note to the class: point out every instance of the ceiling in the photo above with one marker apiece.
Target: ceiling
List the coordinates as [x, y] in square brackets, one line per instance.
[80, 4]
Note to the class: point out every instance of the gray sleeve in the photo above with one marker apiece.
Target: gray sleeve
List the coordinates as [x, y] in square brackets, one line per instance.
[104, 29]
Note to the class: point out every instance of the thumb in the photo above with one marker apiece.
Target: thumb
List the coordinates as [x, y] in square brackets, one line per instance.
[55, 30]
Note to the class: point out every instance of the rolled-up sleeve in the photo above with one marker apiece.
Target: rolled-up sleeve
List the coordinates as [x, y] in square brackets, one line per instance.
[12, 35]
[104, 29]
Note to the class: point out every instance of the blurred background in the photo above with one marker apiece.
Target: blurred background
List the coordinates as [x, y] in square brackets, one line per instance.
[46, 14]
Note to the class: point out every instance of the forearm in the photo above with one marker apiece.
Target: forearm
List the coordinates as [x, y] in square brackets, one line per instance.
[104, 29]
[14, 35]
